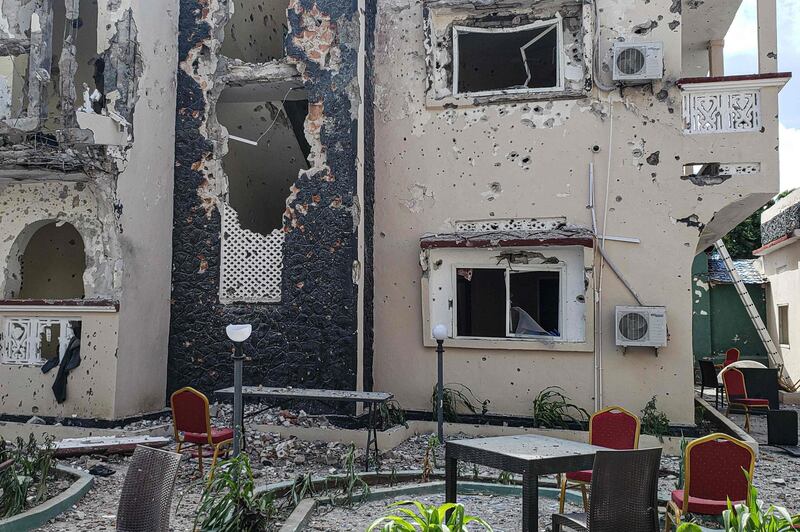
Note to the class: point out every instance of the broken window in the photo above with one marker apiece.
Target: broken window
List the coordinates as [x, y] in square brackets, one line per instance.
[53, 77]
[52, 264]
[267, 148]
[256, 31]
[508, 302]
[783, 324]
[521, 58]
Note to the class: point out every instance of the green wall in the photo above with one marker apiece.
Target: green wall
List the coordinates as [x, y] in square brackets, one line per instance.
[719, 320]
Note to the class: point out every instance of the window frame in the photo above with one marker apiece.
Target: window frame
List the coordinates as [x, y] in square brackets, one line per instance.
[783, 326]
[556, 21]
[560, 268]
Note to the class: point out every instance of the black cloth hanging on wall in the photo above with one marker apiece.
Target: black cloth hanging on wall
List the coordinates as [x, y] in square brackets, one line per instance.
[70, 361]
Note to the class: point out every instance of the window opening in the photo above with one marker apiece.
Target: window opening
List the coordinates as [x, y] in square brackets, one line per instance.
[77, 70]
[783, 324]
[505, 302]
[261, 172]
[523, 58]
[52, 264]
[34, 341]
[256, 31]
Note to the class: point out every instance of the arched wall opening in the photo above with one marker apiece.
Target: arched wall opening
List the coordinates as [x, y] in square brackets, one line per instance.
[51, 263]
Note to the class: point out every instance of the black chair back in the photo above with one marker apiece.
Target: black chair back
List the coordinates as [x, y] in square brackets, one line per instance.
[624, 492]
[708, 374]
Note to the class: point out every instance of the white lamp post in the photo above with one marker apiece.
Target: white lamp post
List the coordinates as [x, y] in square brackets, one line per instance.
[238, 334]
[439, 334]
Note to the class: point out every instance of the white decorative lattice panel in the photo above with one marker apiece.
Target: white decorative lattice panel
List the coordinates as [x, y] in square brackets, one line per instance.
[21, 339]
[251, 264]
[510, 224]
[722, 112]
[739, 168]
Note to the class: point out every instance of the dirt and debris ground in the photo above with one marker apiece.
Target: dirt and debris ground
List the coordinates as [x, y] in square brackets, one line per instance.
[276, 459]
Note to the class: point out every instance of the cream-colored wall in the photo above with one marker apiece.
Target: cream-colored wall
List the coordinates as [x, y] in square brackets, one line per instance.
[784, 289]
[26, 391]
[125, 219]
[144, 190]
[530, 160]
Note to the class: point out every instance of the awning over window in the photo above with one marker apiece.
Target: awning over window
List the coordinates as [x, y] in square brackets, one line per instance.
[563, 236]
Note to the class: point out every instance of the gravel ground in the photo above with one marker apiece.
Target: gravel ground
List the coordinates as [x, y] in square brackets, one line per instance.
[275, 459]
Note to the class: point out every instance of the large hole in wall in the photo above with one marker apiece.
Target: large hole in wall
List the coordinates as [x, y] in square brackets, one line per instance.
[259, 176]
[256, 31]
[52, 264]
[82, 32]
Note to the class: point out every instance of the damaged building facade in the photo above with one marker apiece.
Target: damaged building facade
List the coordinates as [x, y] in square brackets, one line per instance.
[537, 164]
[346, 175]
[87, 99]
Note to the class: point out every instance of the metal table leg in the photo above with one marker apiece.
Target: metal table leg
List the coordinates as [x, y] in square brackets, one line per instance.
[450, 477]
[371, 435]
[530, 502]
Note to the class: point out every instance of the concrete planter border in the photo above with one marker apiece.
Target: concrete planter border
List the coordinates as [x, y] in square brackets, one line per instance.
[299, 518]
[39, 515]
[393, 437]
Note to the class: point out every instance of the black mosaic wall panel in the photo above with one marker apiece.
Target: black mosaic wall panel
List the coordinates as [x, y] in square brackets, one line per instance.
[308, 340]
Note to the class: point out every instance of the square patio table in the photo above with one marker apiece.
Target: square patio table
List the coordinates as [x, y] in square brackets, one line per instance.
[527, 455]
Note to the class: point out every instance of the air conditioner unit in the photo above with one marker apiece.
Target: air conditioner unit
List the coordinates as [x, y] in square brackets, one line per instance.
[641, 61]
[641, 326]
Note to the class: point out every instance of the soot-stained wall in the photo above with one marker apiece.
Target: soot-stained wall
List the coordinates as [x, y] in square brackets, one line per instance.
[309, 339]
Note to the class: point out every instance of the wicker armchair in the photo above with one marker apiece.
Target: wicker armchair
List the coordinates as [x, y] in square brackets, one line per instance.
[146, 499]
[624, 494]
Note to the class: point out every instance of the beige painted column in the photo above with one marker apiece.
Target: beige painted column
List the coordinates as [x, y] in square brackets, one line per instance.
[767, 37]
[716, 57]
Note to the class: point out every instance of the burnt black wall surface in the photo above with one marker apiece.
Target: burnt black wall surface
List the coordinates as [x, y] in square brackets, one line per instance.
[309, 339]
[369, 192]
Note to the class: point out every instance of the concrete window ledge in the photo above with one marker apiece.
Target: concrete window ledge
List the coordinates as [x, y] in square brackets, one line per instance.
[39, 515]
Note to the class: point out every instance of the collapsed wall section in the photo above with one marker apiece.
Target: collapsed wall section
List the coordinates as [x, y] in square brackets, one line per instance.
[306, 336]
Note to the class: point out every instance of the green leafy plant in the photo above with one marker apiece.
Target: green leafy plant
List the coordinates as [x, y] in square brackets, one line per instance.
[229, 502]
[427, 519]
[654, 421]
[552, 409]
[429, 460]
[682, 464]
[505, 477]
[457, 397]
[24, 481]
[754, 516]
[391, 414]
[352, 487]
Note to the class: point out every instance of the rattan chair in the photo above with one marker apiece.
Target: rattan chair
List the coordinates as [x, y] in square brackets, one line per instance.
[624, 494]
[146, 499]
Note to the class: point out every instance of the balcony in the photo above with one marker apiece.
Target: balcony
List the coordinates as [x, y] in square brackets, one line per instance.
[35, 331]
[727, 104]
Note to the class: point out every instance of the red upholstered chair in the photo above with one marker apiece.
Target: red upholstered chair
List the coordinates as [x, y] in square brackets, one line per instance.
[731, 355]
[713, 474]
[736, 393]
[192, 424]
[614, 428]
